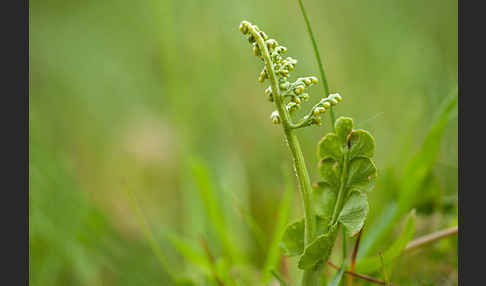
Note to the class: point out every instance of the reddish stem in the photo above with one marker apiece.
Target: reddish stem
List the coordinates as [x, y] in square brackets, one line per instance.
[353, 257]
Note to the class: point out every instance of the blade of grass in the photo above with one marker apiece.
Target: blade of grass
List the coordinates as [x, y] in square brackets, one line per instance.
[383, 269]
[318, 58]
[413, 179]
[212, 262]
[244, 214]
[189, 250]
[279, 278]
[345, 249]
[273, 253]
[430, 238]
[253, 226]
[216, 216]
[371, 264]
[426, 158]
[338, 276]
[147, 232]
[336, 279]
[372, 234]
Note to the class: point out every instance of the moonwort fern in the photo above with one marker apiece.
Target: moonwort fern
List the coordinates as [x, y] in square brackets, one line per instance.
[339, 199]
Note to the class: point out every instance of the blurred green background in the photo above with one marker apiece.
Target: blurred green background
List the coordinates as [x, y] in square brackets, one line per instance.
[160, 99]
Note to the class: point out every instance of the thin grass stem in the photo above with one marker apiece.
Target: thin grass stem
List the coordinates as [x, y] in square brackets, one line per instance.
[319, 61]
[147, 232]
[430, 238]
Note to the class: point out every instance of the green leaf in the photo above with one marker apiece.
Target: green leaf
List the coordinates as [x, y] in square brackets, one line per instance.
[293, 239]
[292, 242]
[344, 126]
[372, 264]
[354, 213]
[361, 175]
[330, 146]
[336, 279]
[323, 198]
[361, 143]
[322, 225]
[318, 250]
[330, 170]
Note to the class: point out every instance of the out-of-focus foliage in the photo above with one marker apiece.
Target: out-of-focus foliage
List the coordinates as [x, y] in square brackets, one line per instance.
[160, 96]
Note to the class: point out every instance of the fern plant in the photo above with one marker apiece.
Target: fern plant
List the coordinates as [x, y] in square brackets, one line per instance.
[339, 199]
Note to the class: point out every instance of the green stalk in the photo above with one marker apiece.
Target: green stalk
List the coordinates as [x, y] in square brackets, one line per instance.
[340, 196]
[318, 272]
[318, 58]
[298, 158]
[313, 276]
[292, 141]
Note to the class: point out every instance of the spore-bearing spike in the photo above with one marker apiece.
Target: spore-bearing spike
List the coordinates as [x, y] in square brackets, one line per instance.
[291, 92]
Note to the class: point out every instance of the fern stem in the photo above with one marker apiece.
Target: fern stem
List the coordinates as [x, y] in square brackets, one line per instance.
[340, 195]
[295, 150]
[319, 61]
[292, 141]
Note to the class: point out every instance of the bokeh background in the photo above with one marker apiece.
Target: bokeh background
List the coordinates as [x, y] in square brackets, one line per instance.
[159, 99]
